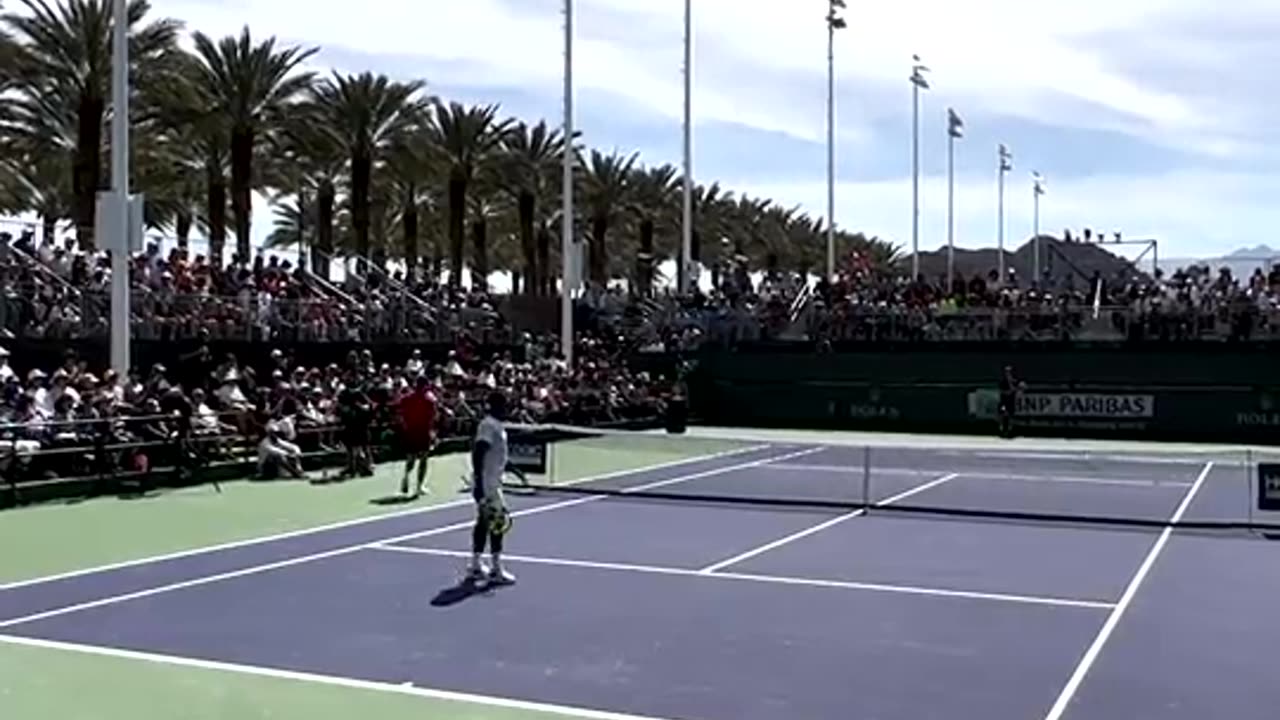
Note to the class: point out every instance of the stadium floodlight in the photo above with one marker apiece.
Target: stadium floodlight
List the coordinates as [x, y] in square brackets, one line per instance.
[918, 83]
[1037, 189]
[1006, 164]
[834, 23]
[686, 239]
[118, 237]
[567, 242]
[955, 131]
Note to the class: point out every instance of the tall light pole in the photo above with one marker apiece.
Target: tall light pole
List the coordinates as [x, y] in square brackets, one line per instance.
[955, 131]
[567, 243]
[918, 83]
[834, 23]
[1006, 164]
[685, 270]
[118, 202]
[1037, 189]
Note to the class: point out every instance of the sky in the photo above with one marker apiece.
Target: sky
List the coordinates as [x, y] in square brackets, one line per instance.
[1149, 117]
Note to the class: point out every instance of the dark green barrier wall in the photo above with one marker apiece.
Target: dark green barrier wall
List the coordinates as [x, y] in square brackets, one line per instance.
[1208, 394]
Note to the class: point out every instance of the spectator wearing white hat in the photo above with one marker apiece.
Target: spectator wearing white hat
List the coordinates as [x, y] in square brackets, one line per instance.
[6, 372]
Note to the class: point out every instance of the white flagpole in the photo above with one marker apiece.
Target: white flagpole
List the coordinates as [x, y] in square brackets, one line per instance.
[685, 271]
[834, 22]
[1005, 158]
[951, 210]
[118, 238]
[918, 83]
[567, 246]
[1037, 188]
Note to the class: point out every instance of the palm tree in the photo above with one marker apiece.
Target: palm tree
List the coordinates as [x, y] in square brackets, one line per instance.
[485, 212]
[530, 156]
[466, 138]
[652, 200]
[61, 62]
[605, 194]
[193, 147]
[412, 175]
[366, 114]
[310, 165]
[712, 209]
[42, 183]
[252, 86]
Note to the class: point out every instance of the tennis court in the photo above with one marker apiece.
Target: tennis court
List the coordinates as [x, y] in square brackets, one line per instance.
[714, 579]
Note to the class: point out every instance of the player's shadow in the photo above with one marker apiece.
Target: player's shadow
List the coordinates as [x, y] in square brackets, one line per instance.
[464, 590]
[393, 500]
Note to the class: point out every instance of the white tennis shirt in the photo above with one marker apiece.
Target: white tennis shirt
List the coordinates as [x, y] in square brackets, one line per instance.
[492, 431]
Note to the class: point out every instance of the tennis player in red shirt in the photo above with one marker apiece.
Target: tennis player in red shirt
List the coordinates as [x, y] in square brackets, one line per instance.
[417, 423]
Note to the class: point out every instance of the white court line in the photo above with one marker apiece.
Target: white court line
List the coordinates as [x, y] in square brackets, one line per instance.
[1080, 456]
[346, 523]
[1113, 619]
[762, 549]
[298, 560]
[767, 579]
[331, 680]
[1023, 477]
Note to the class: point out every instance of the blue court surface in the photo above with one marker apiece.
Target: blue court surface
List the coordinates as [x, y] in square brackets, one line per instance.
[698, 610]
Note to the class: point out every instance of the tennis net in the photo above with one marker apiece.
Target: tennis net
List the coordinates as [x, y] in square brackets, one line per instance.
[1127, 486]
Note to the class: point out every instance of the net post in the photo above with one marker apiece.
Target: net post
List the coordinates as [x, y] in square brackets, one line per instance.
[551, 478]
[866, 478]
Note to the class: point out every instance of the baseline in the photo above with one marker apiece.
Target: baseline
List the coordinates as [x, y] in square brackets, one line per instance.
[1022, 477]
[334, 680]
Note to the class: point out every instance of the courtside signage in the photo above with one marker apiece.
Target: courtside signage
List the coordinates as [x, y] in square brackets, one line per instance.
[1269, 486]
[528, 455]
[1091, 405]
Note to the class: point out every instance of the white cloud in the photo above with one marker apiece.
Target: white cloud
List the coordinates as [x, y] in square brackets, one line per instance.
[1001, 55]
[503, 48]
[1036, 61]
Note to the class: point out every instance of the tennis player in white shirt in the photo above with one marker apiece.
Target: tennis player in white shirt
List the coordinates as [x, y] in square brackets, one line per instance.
[493, 520]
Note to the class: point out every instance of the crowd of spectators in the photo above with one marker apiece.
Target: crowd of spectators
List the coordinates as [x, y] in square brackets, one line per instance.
[1194, 303]
[53, 290]
[74, 421]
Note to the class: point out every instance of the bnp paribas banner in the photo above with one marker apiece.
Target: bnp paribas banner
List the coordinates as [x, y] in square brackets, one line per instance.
[1117, 411]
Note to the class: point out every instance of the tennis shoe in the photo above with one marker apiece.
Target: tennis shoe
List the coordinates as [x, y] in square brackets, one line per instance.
[477, 574]
[499, 576]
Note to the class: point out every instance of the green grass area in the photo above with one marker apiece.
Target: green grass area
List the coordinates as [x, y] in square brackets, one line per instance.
[60, 536]
[65, 536]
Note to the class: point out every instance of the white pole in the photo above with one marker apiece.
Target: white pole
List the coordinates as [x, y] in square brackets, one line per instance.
[686, 241]
[1035, 237]
[119, 244]
[918, 83]
[1000, 224]
[915, 181]
[951, 210]
[831, 148]
[567, 246]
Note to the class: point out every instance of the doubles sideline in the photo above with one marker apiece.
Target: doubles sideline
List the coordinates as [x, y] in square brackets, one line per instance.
[316, 529]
